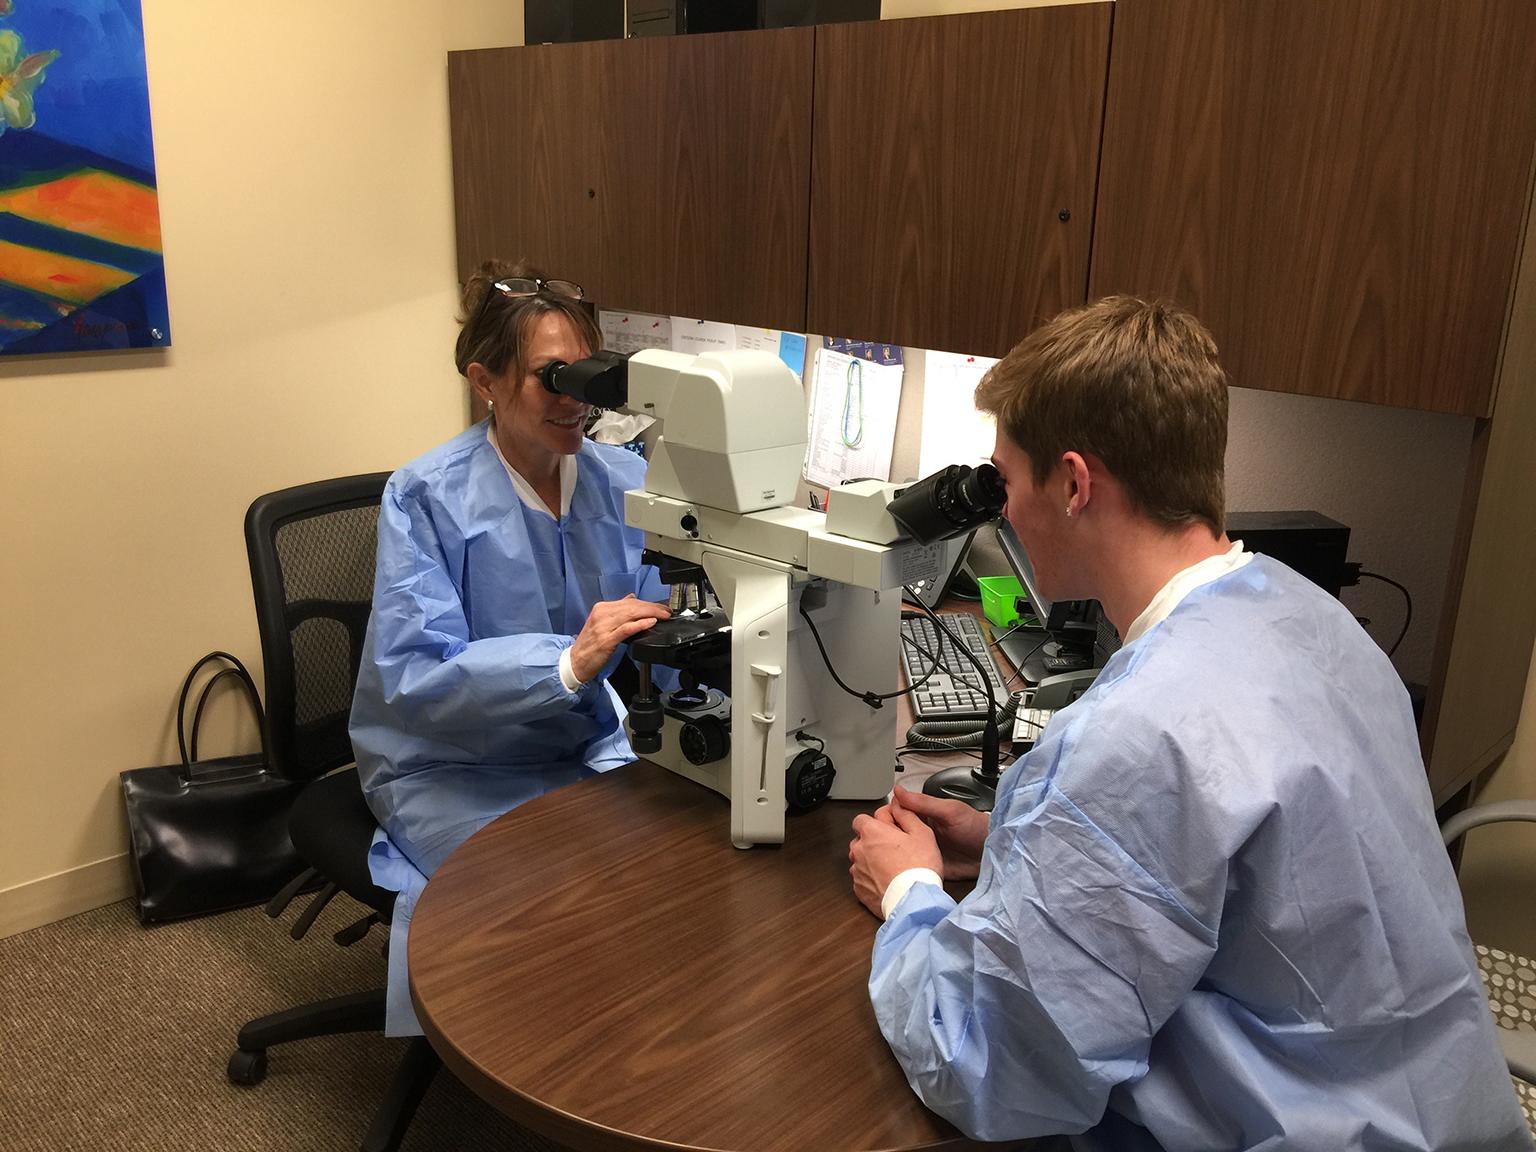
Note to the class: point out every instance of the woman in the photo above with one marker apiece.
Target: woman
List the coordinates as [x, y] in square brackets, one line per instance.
[506, 583]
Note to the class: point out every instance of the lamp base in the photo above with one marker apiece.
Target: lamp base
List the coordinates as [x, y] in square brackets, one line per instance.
[971, 785]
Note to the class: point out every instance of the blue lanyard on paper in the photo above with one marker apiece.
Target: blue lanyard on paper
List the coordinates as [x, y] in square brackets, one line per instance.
[853, 417]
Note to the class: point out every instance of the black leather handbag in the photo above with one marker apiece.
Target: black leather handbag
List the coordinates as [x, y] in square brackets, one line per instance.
[211, 835]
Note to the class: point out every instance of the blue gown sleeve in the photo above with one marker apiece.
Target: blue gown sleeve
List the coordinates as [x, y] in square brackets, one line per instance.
[434, 676]
[1015, 1012]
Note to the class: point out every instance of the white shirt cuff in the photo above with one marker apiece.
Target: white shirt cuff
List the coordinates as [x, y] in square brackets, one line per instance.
[902, 884]
[568, 674]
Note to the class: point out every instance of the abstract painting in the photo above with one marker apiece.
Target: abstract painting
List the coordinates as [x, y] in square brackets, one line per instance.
[80, 260]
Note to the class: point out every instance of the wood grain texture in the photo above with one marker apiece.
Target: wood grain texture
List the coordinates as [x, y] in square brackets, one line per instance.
[944, 151]
[669, 175]
[603, 966]
[1335, 187]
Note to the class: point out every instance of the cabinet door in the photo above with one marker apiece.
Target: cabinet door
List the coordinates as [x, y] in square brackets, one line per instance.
[1336, 187]
[1483, 653]
[666, 175]
[953, 174]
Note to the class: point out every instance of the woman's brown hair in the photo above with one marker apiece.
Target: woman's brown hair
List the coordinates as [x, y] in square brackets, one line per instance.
[494, 327]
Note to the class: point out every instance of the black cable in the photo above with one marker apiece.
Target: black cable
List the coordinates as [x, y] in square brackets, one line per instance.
[1023, 622]
[955, 673]
[873, 699]
[989, 737]
[1019, 669]
[1035, 724]
[1407, 600]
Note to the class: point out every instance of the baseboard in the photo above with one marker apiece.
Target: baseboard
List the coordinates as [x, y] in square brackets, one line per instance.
[67, 893]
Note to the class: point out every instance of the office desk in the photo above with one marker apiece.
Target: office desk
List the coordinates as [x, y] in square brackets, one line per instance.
[604, 967]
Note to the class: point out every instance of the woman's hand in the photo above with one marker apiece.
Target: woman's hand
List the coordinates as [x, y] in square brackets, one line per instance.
[958, 829]
[609, 624]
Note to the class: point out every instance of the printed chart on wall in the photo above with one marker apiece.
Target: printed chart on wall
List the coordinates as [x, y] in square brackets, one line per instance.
[80, 256]
[628, 332]
[853, 418]
[787, 346]
[953, 431]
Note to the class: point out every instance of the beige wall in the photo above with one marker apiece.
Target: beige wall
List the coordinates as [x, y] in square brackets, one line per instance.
[305, 198]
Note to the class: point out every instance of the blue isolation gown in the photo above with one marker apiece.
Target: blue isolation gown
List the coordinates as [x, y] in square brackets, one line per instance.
[460, 714]
[1213, 912]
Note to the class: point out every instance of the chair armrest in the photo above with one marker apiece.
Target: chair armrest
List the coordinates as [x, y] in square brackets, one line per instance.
[1519, 1048]
[1463, 822]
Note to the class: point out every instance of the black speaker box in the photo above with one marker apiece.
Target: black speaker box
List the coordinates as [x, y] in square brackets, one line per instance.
[802, 13]
[565, 21]
[1308, 542]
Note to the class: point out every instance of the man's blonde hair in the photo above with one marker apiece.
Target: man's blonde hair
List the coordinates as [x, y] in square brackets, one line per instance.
[1134, 383]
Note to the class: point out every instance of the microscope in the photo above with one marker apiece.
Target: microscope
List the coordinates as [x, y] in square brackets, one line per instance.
[783, 669]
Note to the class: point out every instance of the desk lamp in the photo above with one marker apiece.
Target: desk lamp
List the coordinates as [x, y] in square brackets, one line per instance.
[953, 501]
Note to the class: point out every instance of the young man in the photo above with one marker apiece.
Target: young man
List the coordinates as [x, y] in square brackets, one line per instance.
[1212, 910]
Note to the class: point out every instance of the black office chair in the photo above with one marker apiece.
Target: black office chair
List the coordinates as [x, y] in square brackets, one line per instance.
[312, 550]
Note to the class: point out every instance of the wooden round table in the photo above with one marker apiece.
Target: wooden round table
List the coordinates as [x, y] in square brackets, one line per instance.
[602, 966]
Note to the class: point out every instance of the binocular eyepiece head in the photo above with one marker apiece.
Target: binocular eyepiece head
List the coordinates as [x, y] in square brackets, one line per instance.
[601, 380]
[949, 503]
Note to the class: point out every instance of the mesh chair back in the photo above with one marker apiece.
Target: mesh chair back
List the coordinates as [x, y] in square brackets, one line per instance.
[312, 550]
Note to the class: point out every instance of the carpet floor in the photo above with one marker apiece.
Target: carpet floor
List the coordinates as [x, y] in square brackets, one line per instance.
[115, 1037]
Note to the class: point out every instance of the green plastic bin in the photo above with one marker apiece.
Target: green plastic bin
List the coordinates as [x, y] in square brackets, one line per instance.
[1000, 599]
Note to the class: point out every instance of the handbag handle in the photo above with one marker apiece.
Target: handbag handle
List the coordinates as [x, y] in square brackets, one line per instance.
[235, 669]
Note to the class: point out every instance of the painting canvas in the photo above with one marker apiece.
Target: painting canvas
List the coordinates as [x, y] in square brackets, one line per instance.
[80, 259]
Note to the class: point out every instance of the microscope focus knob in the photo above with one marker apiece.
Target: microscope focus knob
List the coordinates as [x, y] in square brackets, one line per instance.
[705, 740]
[645, 721]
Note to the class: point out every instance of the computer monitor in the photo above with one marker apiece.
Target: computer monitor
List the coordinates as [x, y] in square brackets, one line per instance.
[1079, 635]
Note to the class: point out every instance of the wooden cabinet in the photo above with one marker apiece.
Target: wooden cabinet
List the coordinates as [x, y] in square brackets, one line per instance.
[1339, 188]
[952, 176]
[1336, 187]
[1483, 650]
[669, 174]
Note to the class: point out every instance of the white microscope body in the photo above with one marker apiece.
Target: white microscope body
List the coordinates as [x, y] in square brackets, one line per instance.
[719, 493]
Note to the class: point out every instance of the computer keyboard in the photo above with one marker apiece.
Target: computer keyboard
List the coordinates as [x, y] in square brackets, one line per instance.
[954, 691]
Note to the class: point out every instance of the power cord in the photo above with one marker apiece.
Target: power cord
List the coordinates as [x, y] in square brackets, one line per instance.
[873, 699]
[1352, 575]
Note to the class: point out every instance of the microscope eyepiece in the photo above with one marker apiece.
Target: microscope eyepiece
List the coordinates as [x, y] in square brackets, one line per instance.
[602, 379]
[949, 503]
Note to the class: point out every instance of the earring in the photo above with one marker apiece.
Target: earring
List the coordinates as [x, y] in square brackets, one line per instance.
[1069, 511]
[490, 405]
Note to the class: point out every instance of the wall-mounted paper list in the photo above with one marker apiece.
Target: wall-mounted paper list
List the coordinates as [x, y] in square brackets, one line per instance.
[787, 346]
[628, 332]
[953, 431]
[853, 419]
[696, 337]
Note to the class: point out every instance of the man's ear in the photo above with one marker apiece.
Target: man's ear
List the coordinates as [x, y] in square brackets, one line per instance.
[1079, 482]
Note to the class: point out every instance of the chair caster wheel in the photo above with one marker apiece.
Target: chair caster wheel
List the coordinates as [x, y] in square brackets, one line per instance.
[247, 1068]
